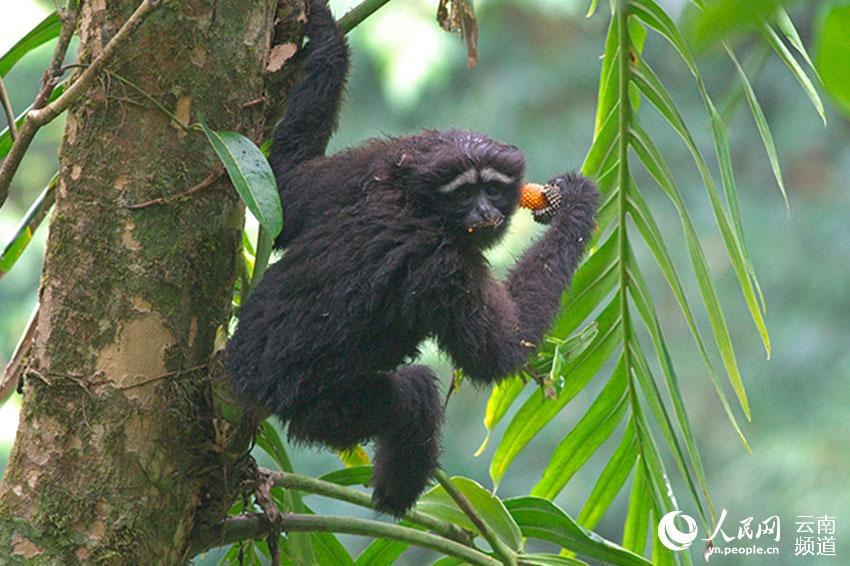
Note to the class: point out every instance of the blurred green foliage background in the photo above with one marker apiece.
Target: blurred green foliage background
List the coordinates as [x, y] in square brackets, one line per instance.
[535, 86]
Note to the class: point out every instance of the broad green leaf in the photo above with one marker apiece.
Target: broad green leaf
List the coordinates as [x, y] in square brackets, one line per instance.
[449, 561]
[610, 481]
[46, 30]
[356, 475]
[594, 428]
[504, 394]
[381, 552]
[646, 225]
[833, 55]
[252, 176]
[541, 519]
[438, 503]
[538, 411]
[799, 73]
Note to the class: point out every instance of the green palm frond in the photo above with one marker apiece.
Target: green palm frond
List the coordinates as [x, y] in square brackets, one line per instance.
[610, 295]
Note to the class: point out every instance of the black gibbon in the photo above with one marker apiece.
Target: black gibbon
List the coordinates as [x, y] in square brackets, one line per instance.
[384, 248]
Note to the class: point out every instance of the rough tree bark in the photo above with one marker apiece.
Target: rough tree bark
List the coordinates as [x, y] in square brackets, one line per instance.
[121, 451]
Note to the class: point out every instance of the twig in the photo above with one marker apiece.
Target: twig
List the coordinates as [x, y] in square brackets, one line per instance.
[54, 70]
[338, 492]
[161, 377]
[15, 368]
[39, 116]
[185, 127]
[356, 15]
[208, 182]
[7, 108]
[506, 554]
[255, 526]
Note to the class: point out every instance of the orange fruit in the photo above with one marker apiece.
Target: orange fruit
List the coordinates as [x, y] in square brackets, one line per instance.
[531, 197]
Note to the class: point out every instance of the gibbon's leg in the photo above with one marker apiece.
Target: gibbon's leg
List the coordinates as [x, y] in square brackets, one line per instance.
[402, 411]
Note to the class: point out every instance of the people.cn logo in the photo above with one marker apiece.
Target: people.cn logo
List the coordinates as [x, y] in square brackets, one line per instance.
[670, 535]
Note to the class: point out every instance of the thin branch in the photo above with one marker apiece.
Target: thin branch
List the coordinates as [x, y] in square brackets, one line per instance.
[11, 378]
[356, 15]
[208, 182]
[183, 126]
[341, 493]
[7, 108]
[506, 554]
[256, 526]
[55, 70]
[38, 117]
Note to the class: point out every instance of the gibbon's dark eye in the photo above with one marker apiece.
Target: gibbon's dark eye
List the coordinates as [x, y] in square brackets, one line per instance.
[464, 192]
[492, 189]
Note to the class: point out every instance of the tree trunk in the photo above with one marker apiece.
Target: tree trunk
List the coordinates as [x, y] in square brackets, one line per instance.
[119, 454]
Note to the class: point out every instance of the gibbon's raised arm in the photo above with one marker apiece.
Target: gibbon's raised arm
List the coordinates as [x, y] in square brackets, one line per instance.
[313, 106]
[492, 331]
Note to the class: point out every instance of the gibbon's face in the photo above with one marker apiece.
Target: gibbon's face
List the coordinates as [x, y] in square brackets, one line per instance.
[468, 180]
[478, 202]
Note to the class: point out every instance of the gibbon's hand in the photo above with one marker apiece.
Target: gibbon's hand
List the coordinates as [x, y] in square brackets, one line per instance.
[552, 194]
[579, 200]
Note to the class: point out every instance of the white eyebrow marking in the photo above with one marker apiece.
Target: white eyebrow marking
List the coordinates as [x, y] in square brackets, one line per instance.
[490, 174]
[468, 176]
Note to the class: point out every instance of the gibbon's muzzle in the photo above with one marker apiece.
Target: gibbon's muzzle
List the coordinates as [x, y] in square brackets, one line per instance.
[490, 221]
[484, 216]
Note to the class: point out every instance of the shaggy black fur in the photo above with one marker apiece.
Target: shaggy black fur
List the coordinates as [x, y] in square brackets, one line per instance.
[377, 259]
